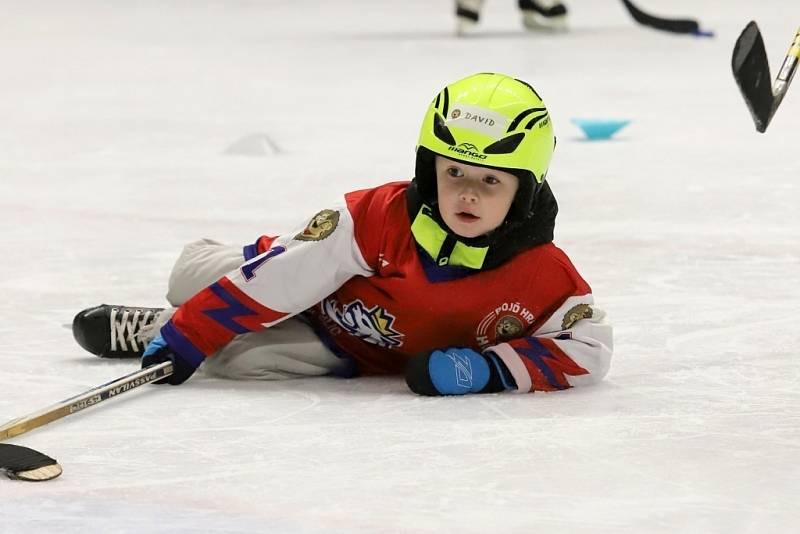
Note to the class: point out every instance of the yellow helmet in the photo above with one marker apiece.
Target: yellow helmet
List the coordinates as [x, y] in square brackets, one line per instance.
[491, 120]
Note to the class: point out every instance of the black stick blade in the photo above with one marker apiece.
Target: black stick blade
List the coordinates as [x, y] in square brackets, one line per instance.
[751, 71]
[22, 463]
[659, 23]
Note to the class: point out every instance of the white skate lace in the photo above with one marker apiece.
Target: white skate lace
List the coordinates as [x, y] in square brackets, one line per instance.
[127, 325]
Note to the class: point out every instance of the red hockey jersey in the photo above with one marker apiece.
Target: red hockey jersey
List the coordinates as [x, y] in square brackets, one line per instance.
[375, 296]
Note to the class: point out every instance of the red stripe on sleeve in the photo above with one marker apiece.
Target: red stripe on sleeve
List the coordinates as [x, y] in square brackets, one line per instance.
[209, 335]
[263, 314]
[561, 364]
[264, 243]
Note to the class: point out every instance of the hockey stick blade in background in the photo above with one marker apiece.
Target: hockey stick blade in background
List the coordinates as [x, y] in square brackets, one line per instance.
[751, 71]
[22, 463]
[668, 25]
[84, 400]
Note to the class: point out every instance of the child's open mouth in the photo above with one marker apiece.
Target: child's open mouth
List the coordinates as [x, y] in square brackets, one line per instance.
[463, 216]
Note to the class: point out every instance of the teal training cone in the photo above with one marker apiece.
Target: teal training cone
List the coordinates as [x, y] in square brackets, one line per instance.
[597, 129]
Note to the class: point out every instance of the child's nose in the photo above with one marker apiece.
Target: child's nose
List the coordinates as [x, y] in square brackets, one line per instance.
[468, 194]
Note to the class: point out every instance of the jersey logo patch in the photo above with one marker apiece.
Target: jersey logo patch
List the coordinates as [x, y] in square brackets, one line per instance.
[508, 327]
[575, 314]
[507, 321]
[373, 325]
[321, 226]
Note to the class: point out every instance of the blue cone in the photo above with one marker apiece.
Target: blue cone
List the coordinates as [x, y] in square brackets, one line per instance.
[597, 129]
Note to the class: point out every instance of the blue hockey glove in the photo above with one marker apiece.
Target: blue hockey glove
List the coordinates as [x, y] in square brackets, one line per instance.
[454, 371]
[158, 351]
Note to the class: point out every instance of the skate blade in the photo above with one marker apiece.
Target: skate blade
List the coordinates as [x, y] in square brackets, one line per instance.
[465, 27]
[535, 22]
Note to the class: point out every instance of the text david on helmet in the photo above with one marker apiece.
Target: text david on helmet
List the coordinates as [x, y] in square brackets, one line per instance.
[477, 119]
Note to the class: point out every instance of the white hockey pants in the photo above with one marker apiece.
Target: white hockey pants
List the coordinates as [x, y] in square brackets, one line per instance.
[289, 349]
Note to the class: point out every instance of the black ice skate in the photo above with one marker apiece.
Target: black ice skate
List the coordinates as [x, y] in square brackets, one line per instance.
[543, 14]
[468, 13]
[115, 331]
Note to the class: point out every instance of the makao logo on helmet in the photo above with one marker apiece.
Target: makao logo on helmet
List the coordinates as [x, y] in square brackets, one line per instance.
[467, 149]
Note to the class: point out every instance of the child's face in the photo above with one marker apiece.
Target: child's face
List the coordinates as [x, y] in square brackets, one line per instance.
[473, 200]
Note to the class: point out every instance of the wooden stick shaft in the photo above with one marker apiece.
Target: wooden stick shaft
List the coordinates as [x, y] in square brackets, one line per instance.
[785, 75]
[83, 400]
[788, 68]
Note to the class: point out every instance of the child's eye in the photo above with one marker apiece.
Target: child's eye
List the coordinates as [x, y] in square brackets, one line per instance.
[452, 171]
[491, 180]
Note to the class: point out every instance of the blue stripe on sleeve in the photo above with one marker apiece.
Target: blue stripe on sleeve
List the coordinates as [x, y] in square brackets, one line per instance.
[225, 316]
[537, 354]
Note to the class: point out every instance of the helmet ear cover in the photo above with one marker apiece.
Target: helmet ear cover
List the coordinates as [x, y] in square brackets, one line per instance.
[425, 175]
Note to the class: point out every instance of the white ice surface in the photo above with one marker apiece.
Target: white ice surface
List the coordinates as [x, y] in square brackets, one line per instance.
[115, 118]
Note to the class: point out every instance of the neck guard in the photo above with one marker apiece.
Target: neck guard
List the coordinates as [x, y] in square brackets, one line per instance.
[488, 251]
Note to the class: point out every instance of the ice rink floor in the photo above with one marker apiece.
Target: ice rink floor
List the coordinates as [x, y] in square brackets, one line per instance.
[117, 121]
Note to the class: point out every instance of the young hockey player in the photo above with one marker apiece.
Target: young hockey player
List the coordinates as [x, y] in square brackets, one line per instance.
[452, 278]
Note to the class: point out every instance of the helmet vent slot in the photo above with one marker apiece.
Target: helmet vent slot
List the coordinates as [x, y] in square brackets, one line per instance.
[518, 118]
[441, 130]
[506, 145]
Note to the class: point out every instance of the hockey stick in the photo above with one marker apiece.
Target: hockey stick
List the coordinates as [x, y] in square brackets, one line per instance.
[22, 463]
[84, 400]
[667, 25]
[751, 71]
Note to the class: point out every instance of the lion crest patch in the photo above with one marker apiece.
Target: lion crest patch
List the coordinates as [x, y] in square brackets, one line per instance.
[508, 327]
[321, 226]
[575, 314]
